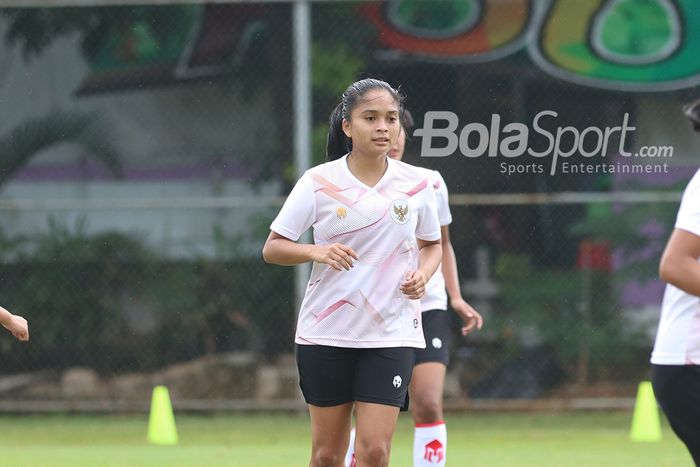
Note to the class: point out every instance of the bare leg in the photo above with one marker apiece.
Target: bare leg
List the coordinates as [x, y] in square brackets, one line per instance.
[375, 428]
[330, 432]
[425, 391]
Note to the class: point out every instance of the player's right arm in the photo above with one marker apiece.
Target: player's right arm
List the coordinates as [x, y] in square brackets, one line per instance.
[297, 215]
[283, 251]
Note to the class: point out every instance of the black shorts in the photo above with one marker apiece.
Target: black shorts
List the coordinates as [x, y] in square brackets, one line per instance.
[677, 389]
[331, 376]
[436, 330]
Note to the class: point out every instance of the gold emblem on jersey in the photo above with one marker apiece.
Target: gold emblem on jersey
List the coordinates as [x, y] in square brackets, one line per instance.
[341, 213]
[400, 211]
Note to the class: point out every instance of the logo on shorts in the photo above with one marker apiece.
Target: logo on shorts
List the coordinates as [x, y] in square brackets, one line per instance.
[397, 381]
[400, 211]
[437, 343]
[415, 323]
[341, 213]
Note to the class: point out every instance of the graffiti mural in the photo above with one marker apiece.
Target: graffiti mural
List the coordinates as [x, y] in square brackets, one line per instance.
[635, 45]
[453, 30]
[632, 45]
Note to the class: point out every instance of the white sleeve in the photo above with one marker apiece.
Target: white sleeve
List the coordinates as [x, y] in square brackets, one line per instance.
[443, 199]
[298, 212]
[428, 227]
[689, 213]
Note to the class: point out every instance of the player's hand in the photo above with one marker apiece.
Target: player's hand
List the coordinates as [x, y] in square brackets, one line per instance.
[336, 255]
[472, 319]
[414, 285]
[18, 327]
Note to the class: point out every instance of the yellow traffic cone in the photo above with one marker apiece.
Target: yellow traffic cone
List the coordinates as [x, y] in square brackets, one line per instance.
[645, 421]
[161, 422]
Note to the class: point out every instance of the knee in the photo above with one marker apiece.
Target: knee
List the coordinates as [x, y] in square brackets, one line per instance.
[427, 409]
[326, 458]
[375, 454]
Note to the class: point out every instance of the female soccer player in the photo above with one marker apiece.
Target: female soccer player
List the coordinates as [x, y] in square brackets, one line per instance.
[376, 246]
[427, 383]
[15, 324]
[676, 355]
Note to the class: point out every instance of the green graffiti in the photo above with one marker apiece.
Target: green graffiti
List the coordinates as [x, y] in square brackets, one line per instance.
[436, 18]
[636, 31]
[142, 44]
[621, 44]
[145, 44]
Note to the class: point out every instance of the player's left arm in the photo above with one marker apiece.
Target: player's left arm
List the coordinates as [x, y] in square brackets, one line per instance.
[429, 247]
[472, 319]
[679, 263]
[429, 256]
[16, 324]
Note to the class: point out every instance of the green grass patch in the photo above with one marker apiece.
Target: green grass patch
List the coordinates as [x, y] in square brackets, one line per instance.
[260, 440]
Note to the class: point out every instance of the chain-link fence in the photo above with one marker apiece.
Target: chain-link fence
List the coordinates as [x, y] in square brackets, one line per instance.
[147, 148]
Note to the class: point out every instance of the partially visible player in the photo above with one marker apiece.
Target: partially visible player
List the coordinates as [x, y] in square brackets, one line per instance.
[15, 324]
[376, 246]
[427, 383]
[676, 355]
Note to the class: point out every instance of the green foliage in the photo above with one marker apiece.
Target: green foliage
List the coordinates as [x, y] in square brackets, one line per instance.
[576, 312]
[334, 68]
[570, 311]
[239, 302]
[72, 287]
[636, 231]
[628, 231]
[87, 297]
[338, 58]
[28, 139]
[536, 300]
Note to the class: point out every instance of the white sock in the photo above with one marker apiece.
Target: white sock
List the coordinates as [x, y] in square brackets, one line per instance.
[430, 445]
[350, 456]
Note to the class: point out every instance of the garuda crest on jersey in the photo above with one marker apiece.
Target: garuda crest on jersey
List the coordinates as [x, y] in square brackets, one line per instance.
[400, 211]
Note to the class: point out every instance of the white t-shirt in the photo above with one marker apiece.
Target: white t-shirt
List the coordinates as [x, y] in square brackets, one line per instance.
[435, 297]
[362, 307]
[678, 336]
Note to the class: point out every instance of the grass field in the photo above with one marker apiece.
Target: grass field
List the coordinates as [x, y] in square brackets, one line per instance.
[560, 439]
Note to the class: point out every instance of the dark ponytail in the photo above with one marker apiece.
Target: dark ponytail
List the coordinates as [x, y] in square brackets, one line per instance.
[337, 144]
[407, 121]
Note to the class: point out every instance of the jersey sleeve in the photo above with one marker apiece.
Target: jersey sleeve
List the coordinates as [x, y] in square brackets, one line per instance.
[428, 227]
[443, 199]
[298, 212]
[689, 213]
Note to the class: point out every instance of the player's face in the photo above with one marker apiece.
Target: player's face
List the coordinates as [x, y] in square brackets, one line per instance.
[374, 124]
[396, 151]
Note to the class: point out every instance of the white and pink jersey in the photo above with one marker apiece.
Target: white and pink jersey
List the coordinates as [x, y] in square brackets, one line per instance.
[678, 336]
[362, 307]
[435, 297]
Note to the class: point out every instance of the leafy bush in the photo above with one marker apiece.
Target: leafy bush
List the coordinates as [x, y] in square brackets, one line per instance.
[106, 301]
[573, 312]
[71, 287]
